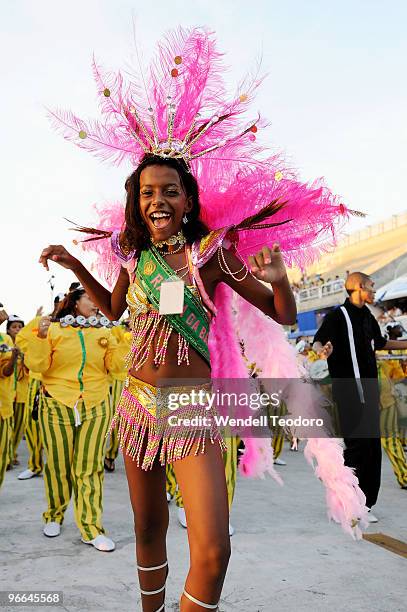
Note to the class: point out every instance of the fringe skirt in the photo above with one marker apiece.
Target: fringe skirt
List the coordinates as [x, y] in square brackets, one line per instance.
[162, 422]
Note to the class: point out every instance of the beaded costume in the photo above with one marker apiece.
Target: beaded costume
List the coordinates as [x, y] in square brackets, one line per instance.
[141, 415]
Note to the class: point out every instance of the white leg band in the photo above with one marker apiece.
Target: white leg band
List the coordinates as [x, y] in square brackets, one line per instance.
[151, 569]
[201, 603]
[152, 592]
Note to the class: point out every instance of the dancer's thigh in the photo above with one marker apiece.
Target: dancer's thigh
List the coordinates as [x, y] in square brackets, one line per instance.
[147, 493]
[202, 481]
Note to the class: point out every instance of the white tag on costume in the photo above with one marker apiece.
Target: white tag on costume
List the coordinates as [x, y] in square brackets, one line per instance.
[172, 297]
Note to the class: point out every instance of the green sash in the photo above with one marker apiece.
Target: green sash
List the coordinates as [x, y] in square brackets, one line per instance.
[192, 323]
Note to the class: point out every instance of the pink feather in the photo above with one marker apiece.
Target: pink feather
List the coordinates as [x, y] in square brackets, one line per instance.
[108, 217]
[345, 500]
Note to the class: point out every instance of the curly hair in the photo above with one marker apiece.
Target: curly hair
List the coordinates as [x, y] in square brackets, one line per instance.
[135, 234]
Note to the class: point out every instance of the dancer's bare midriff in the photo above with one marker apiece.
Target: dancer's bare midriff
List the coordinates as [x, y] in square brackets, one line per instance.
[152, 374]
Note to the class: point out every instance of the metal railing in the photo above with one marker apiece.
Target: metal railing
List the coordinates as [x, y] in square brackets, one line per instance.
[321, 291]
[371, 231]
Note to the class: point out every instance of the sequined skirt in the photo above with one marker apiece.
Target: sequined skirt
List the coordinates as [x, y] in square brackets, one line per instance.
[168, 423]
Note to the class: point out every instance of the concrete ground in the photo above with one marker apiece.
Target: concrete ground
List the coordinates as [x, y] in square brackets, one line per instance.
[285, 554]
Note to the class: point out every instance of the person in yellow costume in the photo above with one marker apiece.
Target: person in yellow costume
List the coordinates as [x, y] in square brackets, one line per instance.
[8, 359]
[390, 371]
[395, 331]
[74, 414]
[32, 428]
[123, 337]
[20, 386]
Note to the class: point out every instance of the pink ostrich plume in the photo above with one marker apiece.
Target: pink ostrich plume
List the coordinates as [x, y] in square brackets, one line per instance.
[178, 108]
[108, 222]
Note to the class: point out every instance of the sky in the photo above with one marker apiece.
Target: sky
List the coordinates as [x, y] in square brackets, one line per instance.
[335, 95]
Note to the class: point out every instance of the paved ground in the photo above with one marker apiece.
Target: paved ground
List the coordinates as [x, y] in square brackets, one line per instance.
[286, 556]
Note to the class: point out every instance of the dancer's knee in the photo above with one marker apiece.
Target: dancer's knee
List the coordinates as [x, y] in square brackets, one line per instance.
[150, 530]
[212, 560]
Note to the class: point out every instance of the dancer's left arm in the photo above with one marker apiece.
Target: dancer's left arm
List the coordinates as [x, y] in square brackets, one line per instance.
[266, 266]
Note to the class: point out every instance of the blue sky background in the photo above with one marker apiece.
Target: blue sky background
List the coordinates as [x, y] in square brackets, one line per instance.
[335, 94]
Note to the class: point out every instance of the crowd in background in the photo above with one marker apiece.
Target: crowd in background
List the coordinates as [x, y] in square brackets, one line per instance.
[314, 280]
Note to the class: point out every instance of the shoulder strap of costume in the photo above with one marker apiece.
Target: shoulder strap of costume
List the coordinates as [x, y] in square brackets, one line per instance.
[353, 354]
[204, 248]
[117, 249]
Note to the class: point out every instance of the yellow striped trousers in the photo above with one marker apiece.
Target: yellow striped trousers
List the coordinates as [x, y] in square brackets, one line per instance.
[6, 435]
[18, 427]
[278, 433]
[32, 429]
[74, 462]
[392, 443]
[112, 449]
[230, 460]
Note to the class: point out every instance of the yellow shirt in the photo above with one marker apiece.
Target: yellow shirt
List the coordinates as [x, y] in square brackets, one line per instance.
[74, 362]
[22, 338]
[123, 338]
[6, 382]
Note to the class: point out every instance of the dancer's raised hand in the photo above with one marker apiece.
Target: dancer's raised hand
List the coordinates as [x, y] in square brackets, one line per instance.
[268, 265]
[59, 254]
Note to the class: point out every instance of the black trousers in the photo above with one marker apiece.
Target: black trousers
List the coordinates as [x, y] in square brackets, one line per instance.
[360, 429]
[365, 455]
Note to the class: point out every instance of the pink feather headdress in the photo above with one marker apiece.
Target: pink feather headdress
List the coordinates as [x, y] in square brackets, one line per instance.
[179, 108]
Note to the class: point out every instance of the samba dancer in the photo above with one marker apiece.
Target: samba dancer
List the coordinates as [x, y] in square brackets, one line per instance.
[20, 386]
[74, 357]
[8, 359]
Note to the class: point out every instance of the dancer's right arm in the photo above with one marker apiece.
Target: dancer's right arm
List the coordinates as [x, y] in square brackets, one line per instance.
[111, 303]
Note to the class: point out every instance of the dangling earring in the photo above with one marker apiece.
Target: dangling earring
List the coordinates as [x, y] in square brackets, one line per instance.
[185, 219]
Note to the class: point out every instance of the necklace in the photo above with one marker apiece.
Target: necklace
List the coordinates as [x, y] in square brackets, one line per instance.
[177, 250]
[172, 240]
[226, 270]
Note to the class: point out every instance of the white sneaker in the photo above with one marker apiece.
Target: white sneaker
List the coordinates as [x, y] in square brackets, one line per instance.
[52, 529]
[372, 518]
[231, 530]
[101, 542]
[169, 498]
[26, 474]
[182, 519]
[279, 462]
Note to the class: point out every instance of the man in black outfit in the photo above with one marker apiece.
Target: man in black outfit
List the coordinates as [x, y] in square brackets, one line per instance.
[348, 338]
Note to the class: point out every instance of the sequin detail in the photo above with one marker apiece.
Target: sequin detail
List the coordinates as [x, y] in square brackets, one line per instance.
[144, 430]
